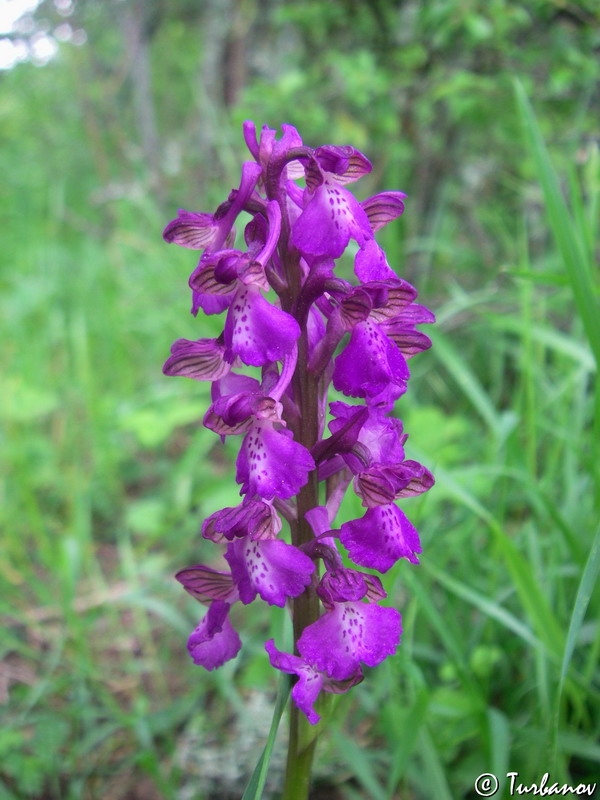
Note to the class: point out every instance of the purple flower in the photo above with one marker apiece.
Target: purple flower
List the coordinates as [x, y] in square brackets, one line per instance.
[380, 538]
[292, 328]
[214, 641]
[253, 518]
[369, 363]
[273, 569]
[202, 360]
[310, 680]
[271, 463]
[351, 633]
[257, 331]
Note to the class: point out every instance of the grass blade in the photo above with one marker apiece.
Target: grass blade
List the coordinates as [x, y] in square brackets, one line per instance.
[584, 593]
[256, 784]
[466, 379]
[569, 244]
[358, 760]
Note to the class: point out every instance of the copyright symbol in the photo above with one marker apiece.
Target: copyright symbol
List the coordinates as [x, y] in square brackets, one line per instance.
[486, 785]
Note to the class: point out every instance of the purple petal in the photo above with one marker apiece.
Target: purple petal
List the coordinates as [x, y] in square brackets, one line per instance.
[309, 684]
[352, 310]
[257, 331]
[377, 485]
[289, 140]
[274, 219]
[237, 413]
[310, 680]
[202, 360]
[206, 584]
[380, 484]
[381, 435]
[394, 298]
[368, 363]
[249, 132]
[232, 383]
[409, 341]
[370, 263]
[214, 641]
[345, 164]
[330, 219]
[345, 434]
[380, 538]
[272, 568]
[210, 304]
[191, 230]
[253, 518]
[383, 208]
[414, 479]
[352, 632]
[341, 585]
[209, 294]
[271, 464]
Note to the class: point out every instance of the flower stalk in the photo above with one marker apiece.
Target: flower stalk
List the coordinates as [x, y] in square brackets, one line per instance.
[322, 330]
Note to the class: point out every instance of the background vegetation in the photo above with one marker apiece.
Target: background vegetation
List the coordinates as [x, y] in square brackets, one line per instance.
[107, 472]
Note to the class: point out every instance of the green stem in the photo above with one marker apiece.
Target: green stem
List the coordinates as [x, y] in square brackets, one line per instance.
[305, 608]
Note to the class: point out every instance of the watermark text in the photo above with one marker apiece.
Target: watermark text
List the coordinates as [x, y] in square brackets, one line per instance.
[487, 785]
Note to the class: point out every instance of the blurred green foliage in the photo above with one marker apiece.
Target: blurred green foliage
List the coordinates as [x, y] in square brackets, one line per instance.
[107, 471]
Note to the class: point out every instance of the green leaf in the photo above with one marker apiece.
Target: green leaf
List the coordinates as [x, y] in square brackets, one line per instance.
[467, 380]
[569, 244]
[361, 765]
[434, 776]
[486, 605]
[256, 784]
[530, 593]
[584, 593]
[411, 728]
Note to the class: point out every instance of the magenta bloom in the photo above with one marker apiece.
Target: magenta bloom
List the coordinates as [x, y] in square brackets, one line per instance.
[292, 327]
[214, 641]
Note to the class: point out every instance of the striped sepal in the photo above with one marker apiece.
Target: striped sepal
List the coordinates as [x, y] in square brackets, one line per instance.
[206, 584]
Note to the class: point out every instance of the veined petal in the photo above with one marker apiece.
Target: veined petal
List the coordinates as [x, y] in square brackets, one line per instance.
[409, 341]
[416, 479]
[341, 585]
[236, 413]
[191, 230]
[395, 296]
[350, 634]
[383, 208]
[344, 164]
[204, 278]
[214, 641]
[202, 360]
[206, 584]
[272, 568]
[380, 538]
[376, 485]
[253, 518]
